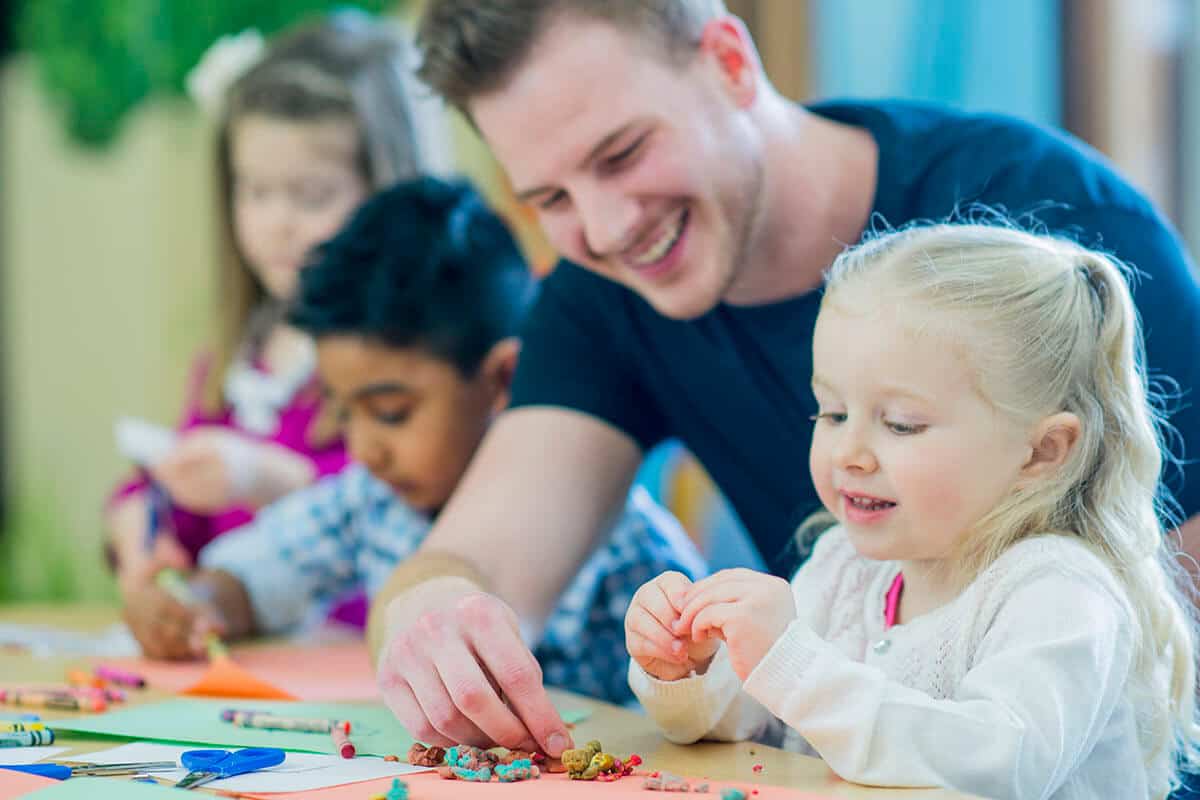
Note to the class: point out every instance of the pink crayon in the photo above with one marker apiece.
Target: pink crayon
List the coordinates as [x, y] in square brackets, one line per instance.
[120, 676]
[341, 740]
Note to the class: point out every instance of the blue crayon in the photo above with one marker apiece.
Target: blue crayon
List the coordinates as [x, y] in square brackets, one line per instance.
[20, 717]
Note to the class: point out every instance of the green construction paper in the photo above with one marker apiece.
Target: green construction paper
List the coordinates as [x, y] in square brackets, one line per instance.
[373, 729]
[105, 788]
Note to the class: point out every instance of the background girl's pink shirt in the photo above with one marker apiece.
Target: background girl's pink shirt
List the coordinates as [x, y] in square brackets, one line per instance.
[193, 530]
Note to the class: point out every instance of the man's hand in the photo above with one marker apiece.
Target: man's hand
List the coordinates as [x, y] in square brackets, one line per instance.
[454, 670]
[649, 635]
[749, 610]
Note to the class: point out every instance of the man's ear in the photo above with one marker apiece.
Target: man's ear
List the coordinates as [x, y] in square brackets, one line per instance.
[728, 42]
[498, 369]
[1053, 440]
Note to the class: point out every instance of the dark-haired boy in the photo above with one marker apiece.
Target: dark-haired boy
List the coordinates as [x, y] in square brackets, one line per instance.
[415, 308]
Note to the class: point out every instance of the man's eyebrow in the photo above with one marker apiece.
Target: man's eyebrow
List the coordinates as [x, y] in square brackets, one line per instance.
[525, 195]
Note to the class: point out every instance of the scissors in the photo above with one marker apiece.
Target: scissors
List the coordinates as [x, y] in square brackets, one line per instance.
[211, 765]
[62, 771]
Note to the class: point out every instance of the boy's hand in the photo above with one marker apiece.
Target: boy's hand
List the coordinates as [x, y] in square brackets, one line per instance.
[649, 635]
[748, 610]
[165, 627]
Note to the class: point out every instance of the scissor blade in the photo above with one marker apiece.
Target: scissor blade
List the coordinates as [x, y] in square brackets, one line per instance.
[194, 779]
[124, 769]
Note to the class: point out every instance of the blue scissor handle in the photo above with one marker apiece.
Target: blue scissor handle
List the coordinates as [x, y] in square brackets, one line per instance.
[56, 771]
[228, 763]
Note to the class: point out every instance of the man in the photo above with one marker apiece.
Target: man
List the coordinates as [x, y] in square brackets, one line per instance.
[699, 208]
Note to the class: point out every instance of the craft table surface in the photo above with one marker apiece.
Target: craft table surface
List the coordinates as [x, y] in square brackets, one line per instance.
[619, 729]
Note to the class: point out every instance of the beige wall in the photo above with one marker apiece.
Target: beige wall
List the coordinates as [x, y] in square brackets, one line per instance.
[108, 266]
[107, 277]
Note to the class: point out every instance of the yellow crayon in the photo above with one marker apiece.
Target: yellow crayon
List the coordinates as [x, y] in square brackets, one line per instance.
[17, 727]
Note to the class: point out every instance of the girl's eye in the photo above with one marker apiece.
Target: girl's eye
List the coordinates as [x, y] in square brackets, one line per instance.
[904, 428]
[314, 197]
[553, 200]
[833, 417]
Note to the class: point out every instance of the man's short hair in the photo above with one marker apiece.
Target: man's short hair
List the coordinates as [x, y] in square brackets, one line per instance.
[472, 47]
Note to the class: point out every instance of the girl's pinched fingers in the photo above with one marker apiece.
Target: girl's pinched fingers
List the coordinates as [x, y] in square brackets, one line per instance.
[724, 587]
[710, 622]
[674, 586]
[656, 637]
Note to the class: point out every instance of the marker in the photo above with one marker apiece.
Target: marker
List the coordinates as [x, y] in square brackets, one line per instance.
[58, 702]
[341, 740]
[121, 677]
[274, 722]
[27, 738]
[20, 727]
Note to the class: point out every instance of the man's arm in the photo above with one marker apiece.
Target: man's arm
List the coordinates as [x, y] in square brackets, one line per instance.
[542, 487]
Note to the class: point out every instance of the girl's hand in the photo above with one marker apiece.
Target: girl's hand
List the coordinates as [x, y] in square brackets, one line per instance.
[648, 630]
[748, 610]
[202, 473]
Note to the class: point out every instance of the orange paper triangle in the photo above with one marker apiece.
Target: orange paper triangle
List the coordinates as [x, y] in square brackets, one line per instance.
[224, 678]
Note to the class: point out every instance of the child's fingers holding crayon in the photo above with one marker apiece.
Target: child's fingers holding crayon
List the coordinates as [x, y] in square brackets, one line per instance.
[162, 625]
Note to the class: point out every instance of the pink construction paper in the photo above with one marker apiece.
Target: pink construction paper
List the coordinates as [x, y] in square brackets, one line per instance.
[17, 784]
[320, 673]
[429, 786]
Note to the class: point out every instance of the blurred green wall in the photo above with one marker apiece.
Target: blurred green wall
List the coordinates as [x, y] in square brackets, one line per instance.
[107, 274]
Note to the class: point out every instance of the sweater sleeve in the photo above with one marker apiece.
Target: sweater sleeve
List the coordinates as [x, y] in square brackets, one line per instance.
[708, 706]
[713, 705]
[1040, 690]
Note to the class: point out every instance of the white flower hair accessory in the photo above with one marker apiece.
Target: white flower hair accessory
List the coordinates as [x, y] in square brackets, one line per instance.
[228, 59]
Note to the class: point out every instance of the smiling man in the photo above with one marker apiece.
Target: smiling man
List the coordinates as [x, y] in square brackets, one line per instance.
[696, 209]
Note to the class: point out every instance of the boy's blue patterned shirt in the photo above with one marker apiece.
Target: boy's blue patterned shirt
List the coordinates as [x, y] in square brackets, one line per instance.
[346, 533]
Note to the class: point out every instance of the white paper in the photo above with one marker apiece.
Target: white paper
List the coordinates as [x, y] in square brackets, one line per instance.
[12, 756]
[43, 641]
[143, 442]
[300, 772]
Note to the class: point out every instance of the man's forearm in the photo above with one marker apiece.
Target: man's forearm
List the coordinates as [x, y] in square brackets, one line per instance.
[452, 572]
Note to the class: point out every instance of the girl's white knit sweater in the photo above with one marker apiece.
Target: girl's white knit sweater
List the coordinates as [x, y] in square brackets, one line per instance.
[1018, 688]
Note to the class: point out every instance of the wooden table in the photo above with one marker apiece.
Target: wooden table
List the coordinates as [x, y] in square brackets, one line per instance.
[608, 723]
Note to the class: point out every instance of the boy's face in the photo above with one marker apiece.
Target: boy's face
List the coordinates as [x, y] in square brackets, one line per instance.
[412, 419]
[645, 171]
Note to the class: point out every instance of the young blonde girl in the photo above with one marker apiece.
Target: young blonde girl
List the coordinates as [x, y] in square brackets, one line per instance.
[306, 132]
[996, 609]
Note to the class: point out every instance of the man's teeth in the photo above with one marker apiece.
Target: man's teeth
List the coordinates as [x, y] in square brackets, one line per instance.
[663, 245]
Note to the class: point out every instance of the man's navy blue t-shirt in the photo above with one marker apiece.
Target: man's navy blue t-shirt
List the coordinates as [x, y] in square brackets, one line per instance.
[733, 385]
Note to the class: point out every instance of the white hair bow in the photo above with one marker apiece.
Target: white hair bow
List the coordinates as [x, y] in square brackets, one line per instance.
[228, 59]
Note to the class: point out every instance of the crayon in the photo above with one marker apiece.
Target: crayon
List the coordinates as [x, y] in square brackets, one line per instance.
[78, 677]
[341, 740]
[7, 717]
[27, 738]
[120, 677]
[52, 700]
[276, 722]
[19, 727]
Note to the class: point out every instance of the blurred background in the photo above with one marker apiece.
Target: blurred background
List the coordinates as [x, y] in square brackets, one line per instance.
[107, 216]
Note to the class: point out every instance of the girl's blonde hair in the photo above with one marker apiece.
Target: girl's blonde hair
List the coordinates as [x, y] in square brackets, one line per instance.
[1050, 326]
[347, 66]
